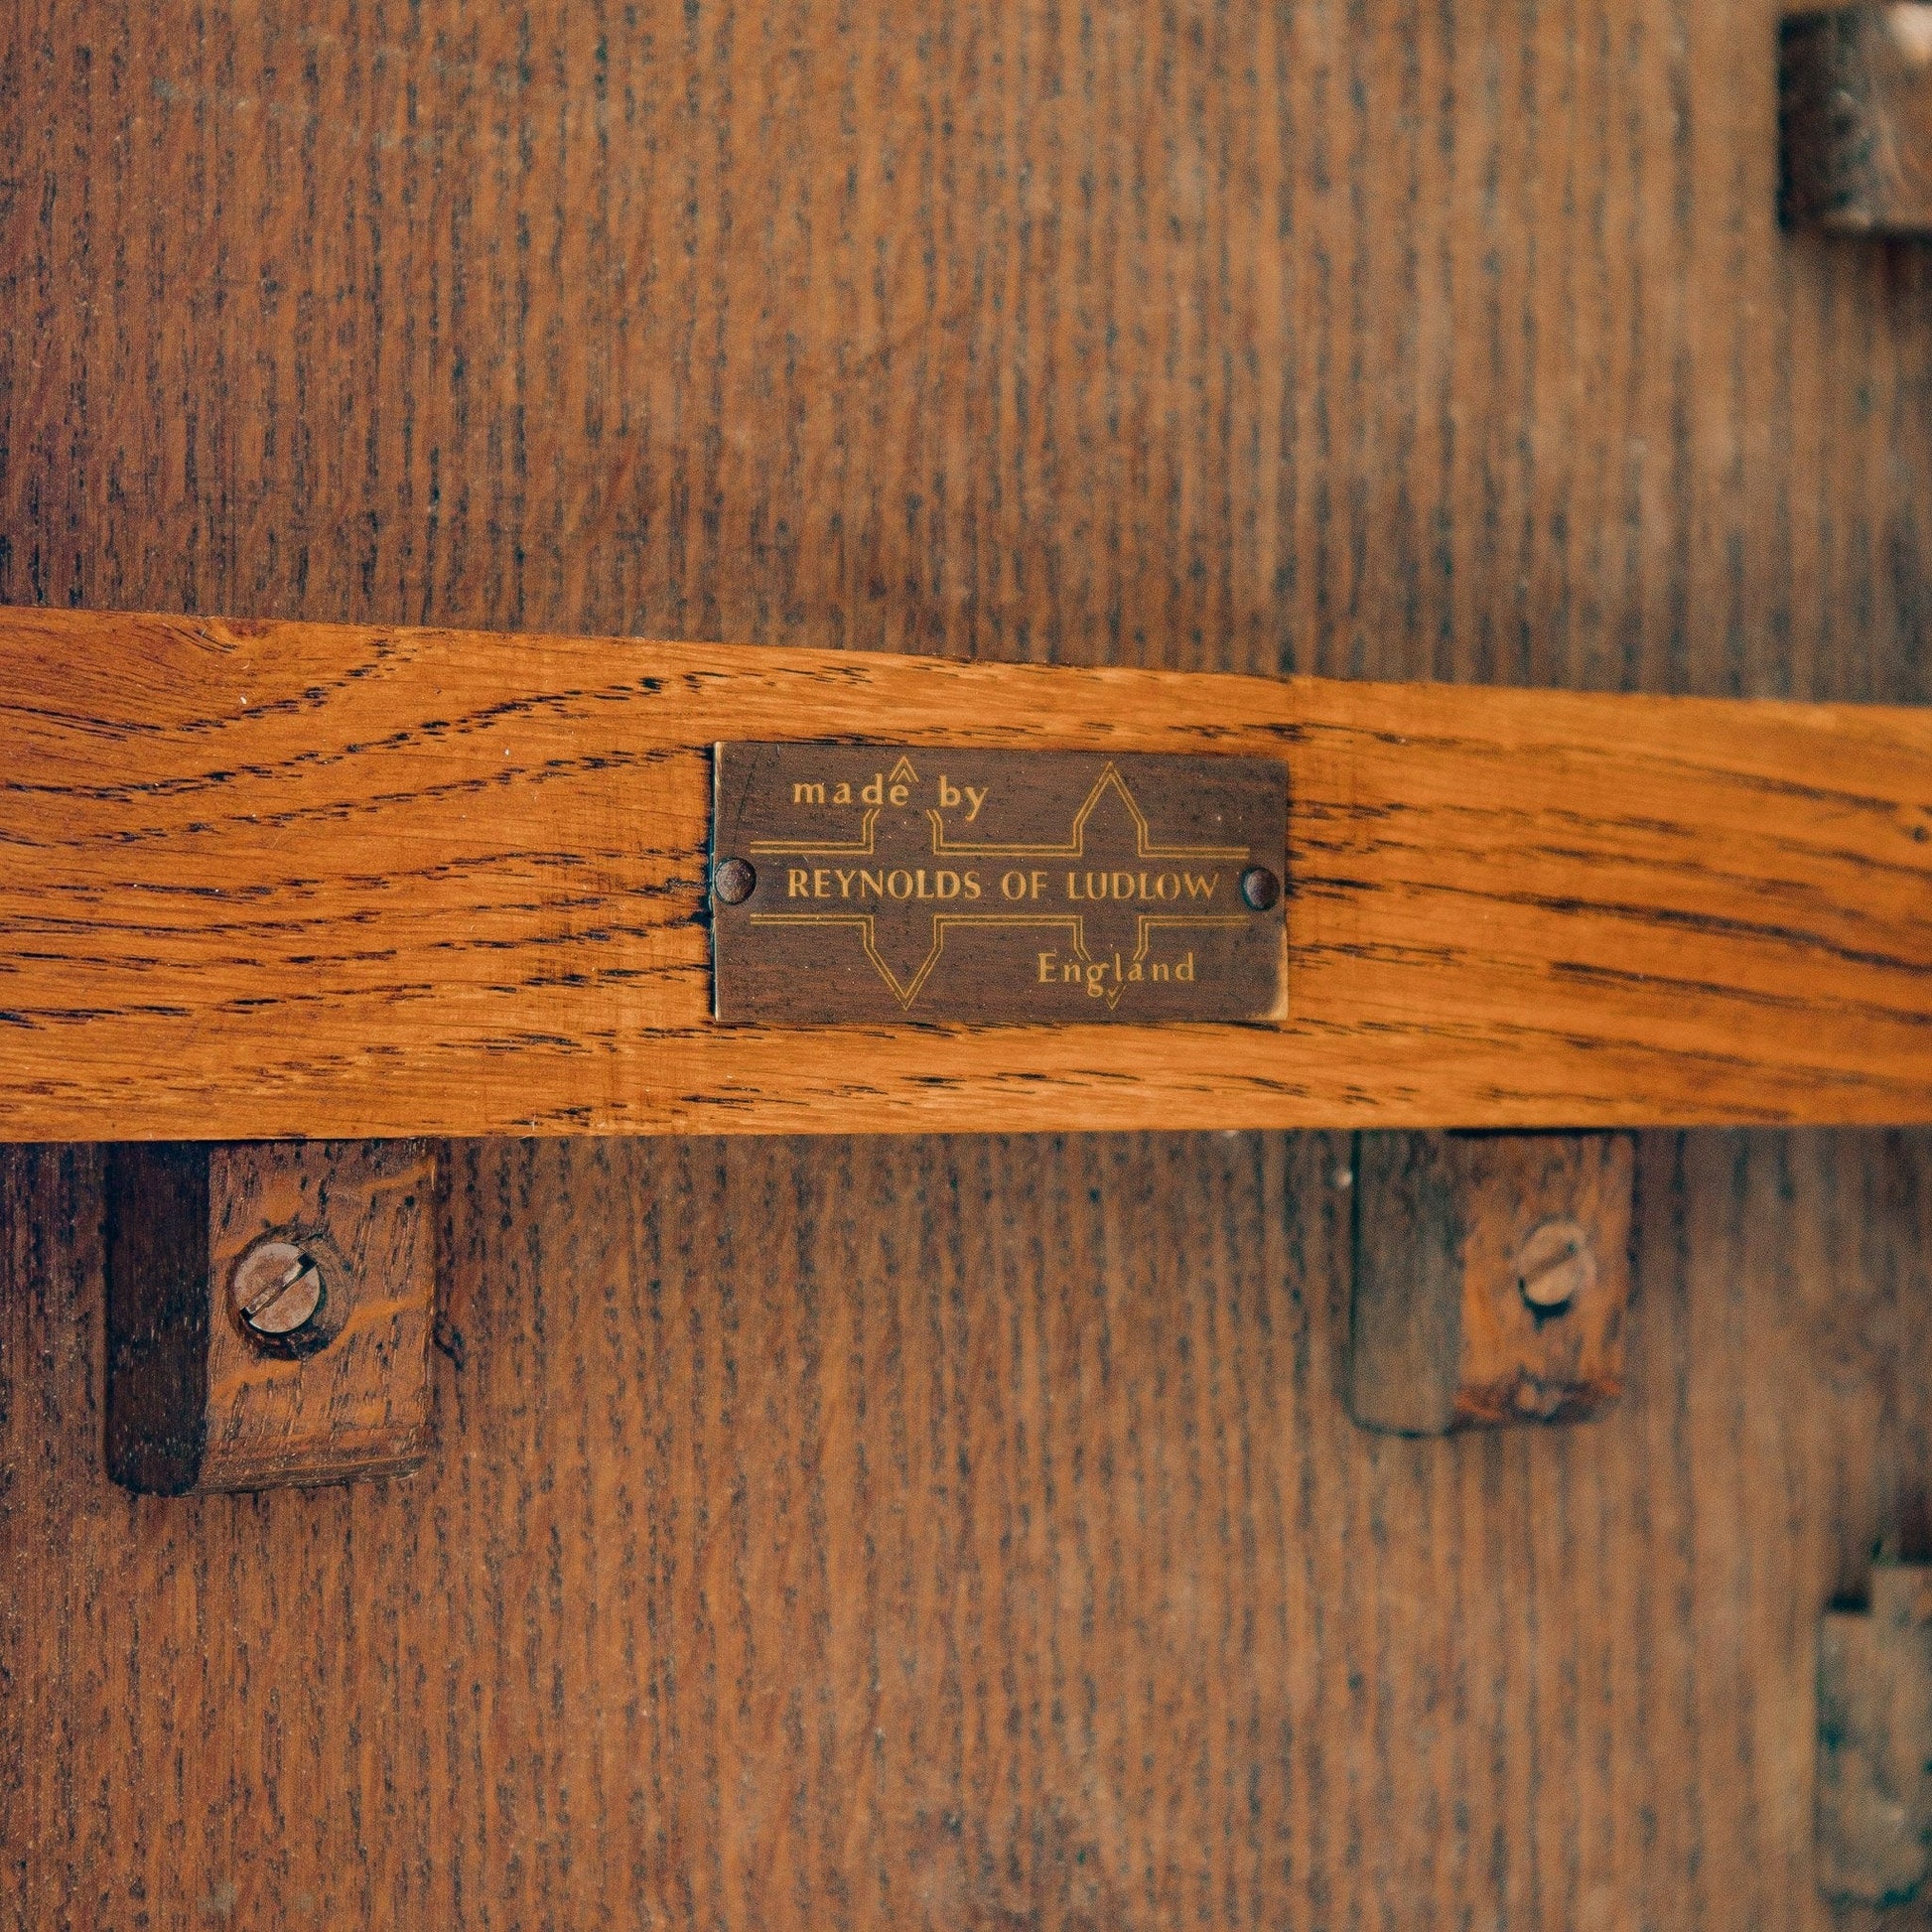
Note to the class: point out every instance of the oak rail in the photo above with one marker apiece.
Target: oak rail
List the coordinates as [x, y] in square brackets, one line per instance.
[268, 880]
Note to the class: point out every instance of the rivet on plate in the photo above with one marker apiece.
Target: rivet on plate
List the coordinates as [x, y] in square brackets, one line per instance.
[1260, 887]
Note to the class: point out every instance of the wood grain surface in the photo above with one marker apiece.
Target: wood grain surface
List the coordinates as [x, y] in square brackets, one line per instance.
[967, 1533]
[282, 880]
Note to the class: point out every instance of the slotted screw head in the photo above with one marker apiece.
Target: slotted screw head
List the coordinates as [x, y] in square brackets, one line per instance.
[1555, 1265]
[278, 1290]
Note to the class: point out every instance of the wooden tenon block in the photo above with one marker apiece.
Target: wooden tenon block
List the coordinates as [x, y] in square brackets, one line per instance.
[1855, 120]
[1492, 1274]
[269, 1310]
[1874, 1741]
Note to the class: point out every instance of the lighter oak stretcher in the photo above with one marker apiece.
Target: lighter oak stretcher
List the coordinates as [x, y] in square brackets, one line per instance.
[289, 880]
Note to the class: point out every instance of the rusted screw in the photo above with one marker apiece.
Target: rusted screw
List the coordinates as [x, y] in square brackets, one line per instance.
[733, 881]
[1555, 1265]
[278, 1290]
[1260, 887]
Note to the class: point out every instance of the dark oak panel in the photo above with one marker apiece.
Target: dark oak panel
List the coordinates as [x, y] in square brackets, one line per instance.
[1391, 342]
[972, 1533]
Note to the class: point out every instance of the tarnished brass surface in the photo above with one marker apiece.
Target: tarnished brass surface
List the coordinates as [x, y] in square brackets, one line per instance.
[1049, 888]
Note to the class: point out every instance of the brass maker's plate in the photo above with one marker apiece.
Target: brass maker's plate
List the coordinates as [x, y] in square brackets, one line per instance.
[893, 883]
